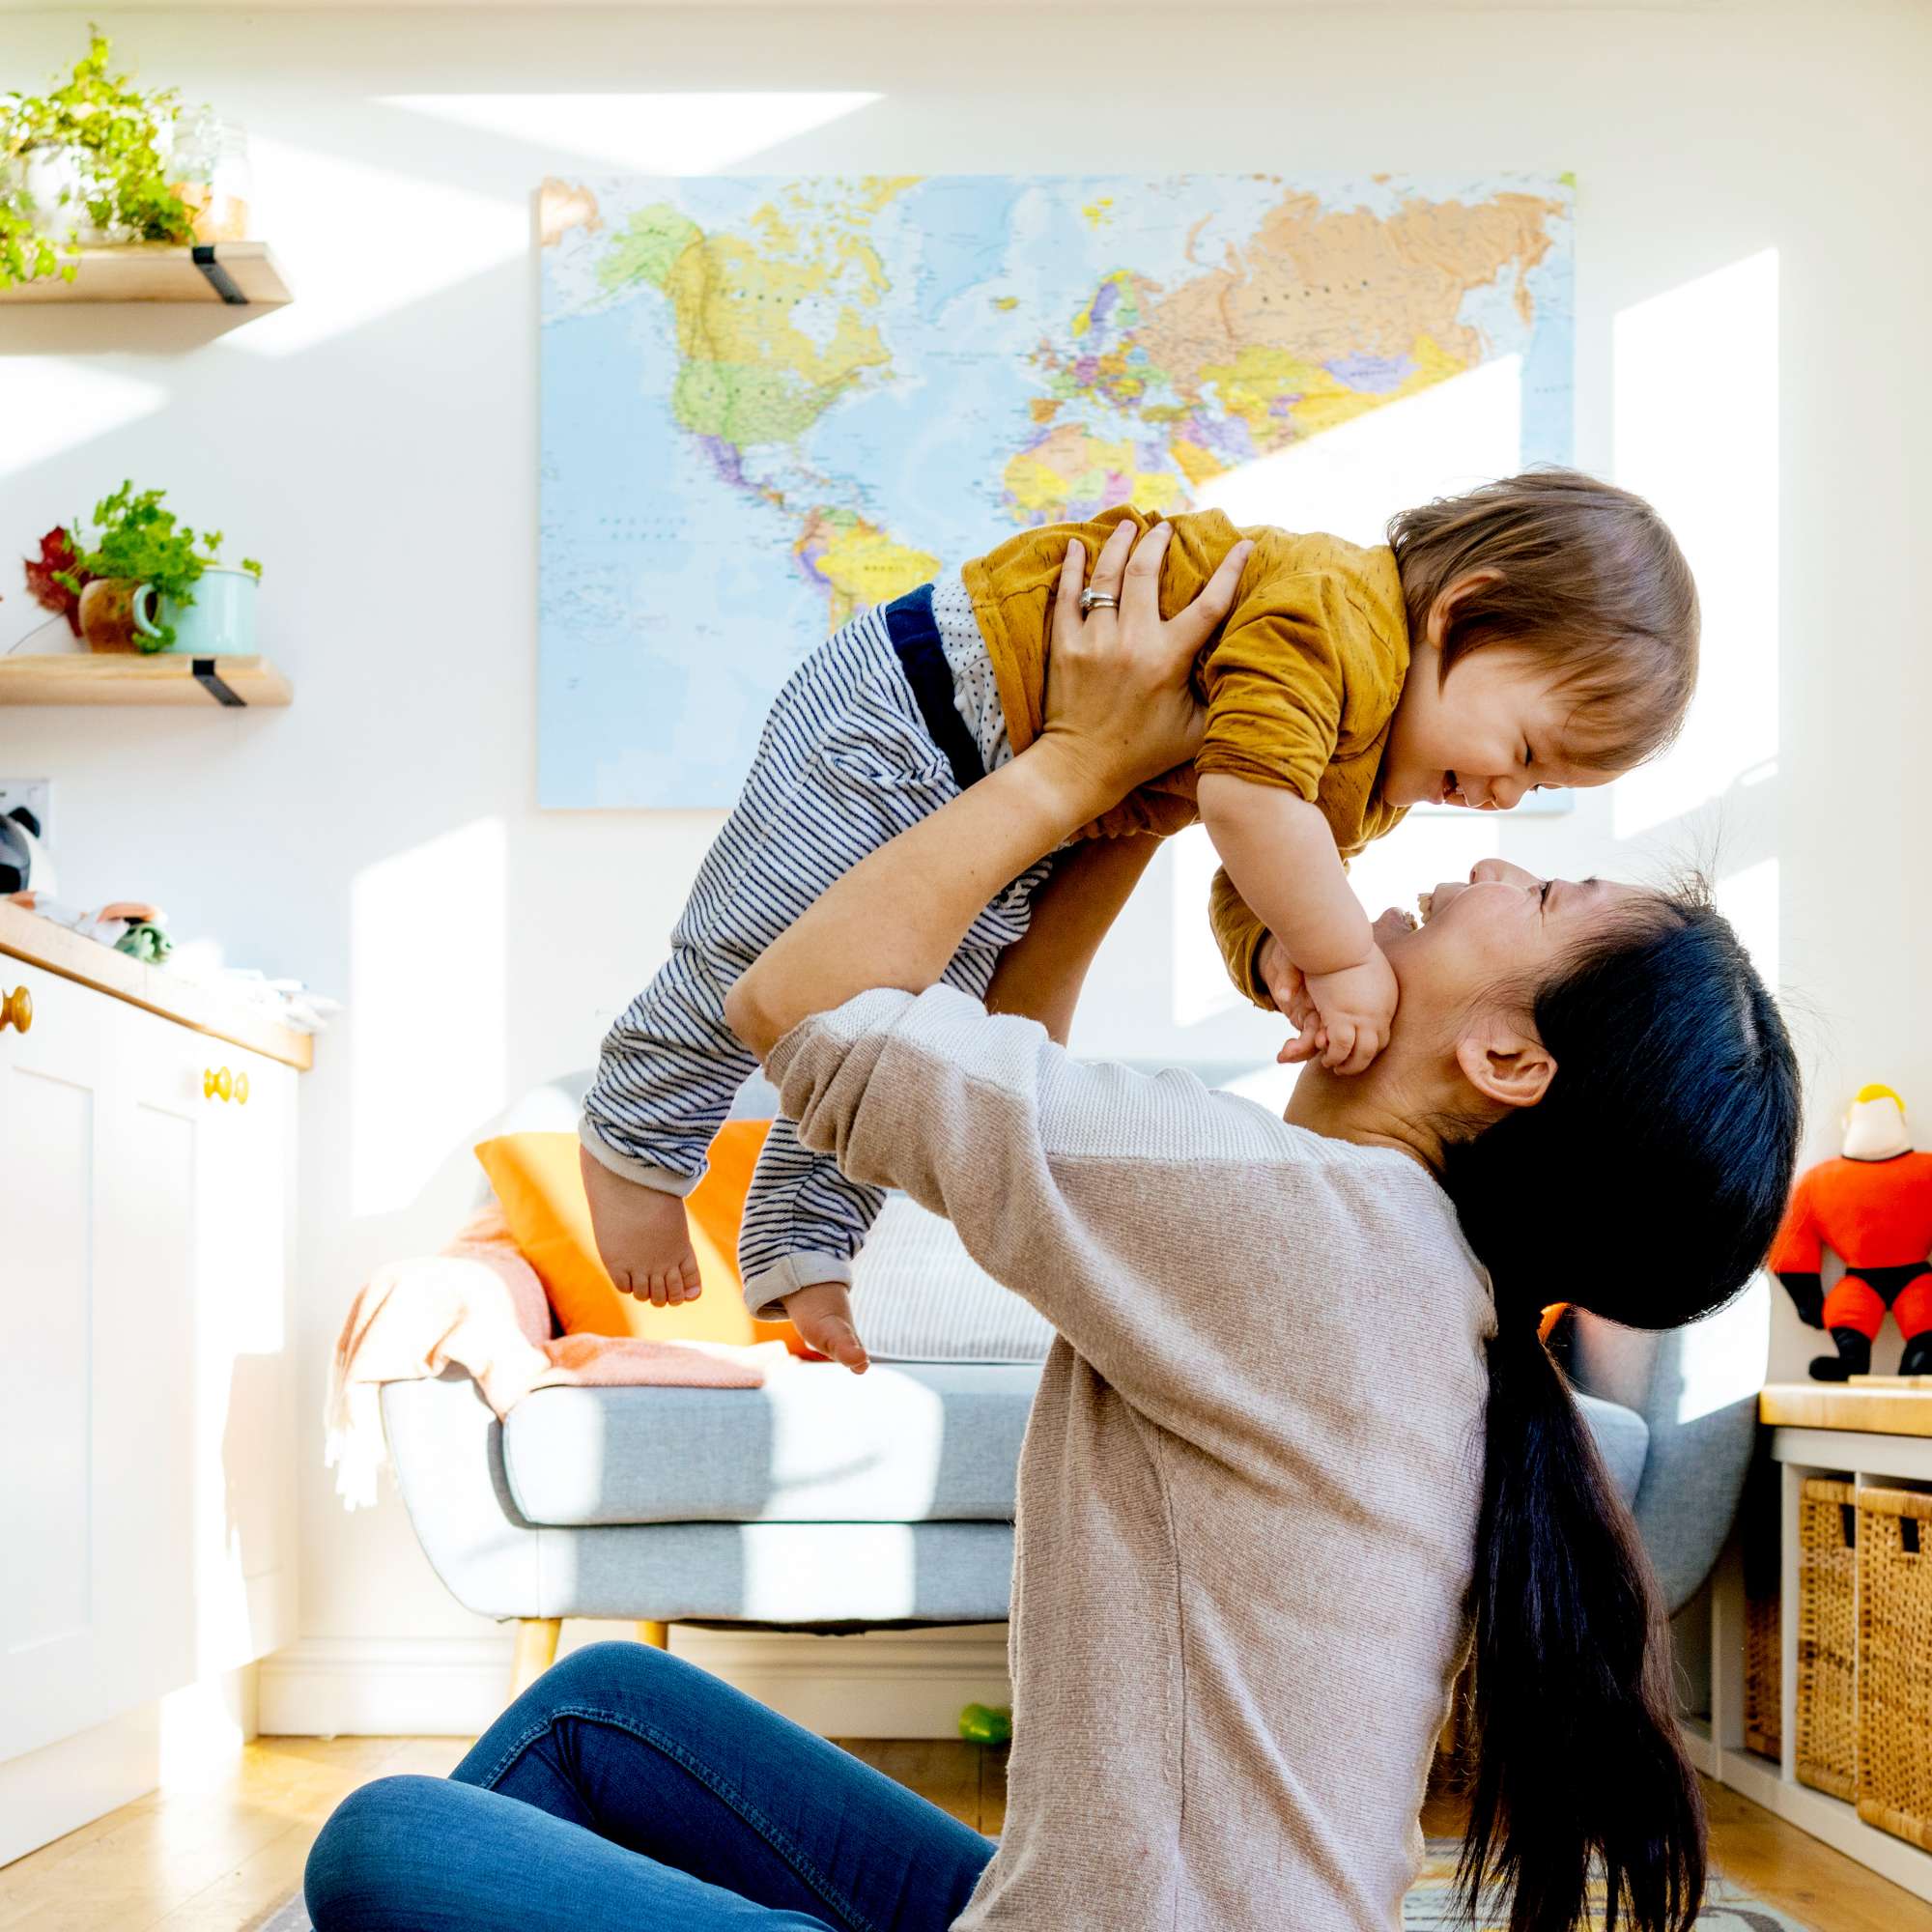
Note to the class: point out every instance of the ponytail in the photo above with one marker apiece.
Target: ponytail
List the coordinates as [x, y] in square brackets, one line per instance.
[1577, 1751]
[1675, 1105]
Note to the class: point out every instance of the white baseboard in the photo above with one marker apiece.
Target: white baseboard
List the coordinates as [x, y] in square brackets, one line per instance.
[62, 1786]
[886, 1683]
[383, 1687]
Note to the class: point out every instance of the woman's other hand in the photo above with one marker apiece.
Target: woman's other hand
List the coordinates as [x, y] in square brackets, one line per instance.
[1288, 988]
[1357, 1006]
[1119, 701]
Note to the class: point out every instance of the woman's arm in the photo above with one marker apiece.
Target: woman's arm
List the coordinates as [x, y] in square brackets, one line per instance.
[1118, 712]
[899, 916]
[1040, 977]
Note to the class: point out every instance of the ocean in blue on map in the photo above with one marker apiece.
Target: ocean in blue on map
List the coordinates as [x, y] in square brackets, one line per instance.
[768, 402]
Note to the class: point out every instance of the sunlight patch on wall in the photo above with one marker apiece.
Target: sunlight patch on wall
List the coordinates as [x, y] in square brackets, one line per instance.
[1199, 980]
[1749, 899]
[1349, 480]
[202, 1729]
[51, 403]
[1695, 425]
[409, 238]
[1424, 853]
[1721, 1362]
[429, 1009]
[640, 134]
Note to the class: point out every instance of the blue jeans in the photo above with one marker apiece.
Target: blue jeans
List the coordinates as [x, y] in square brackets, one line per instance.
[629, 1789]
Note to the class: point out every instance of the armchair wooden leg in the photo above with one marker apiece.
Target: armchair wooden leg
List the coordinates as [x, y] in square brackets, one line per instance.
[654, 1633]
[536, 1651]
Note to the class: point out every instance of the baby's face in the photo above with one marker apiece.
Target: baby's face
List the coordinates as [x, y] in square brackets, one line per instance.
[1486, 737]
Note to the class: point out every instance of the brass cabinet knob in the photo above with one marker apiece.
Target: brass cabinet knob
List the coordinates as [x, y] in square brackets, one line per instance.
[242, 1090]
[217, 1086]
[16, 1009]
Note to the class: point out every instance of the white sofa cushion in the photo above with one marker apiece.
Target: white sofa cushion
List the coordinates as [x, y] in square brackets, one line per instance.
[919, 1296]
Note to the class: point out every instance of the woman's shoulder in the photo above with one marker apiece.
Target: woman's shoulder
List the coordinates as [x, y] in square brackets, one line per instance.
[1171, 1113]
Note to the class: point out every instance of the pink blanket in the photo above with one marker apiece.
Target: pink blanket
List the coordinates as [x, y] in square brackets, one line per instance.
[479, 1305]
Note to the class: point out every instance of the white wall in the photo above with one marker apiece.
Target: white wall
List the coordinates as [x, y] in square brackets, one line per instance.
[1752, 301]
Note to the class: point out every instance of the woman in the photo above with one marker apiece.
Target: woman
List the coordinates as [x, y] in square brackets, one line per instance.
[1296, 1429]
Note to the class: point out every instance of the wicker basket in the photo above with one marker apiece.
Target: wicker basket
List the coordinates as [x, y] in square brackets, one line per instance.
[1894, 1786]
[1826, 1747]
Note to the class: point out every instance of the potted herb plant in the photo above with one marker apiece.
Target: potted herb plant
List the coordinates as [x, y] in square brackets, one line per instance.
[147, 582]
[85, 162]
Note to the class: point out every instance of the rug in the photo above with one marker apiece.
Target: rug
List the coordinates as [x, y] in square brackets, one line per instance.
[1429, 1908]
[1432, 1907]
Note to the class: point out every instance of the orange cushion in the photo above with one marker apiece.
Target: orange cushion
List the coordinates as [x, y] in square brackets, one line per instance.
[540, 1188]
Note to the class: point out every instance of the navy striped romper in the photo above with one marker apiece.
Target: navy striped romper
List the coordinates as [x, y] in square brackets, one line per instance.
[862, 742]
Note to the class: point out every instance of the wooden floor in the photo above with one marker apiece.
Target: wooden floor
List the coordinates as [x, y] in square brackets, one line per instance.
[216, 1857]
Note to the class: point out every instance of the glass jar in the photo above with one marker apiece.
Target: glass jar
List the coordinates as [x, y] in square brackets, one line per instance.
[211, 173]
[56, 183]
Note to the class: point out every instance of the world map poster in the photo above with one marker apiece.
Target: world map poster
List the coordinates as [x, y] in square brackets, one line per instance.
[768, 402]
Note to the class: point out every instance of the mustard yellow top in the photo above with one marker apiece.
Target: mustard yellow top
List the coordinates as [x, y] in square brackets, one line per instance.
[1300, 681]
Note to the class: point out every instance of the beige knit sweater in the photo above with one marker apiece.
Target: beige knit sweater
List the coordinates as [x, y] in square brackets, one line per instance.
[1248, 1495]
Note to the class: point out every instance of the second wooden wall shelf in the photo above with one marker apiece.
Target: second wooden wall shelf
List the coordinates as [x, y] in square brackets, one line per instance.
[168, 677]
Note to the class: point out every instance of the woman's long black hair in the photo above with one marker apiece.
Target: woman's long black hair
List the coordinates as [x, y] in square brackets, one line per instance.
[1646, 1186]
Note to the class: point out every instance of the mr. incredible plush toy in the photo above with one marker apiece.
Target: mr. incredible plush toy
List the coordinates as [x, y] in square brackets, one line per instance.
[1872, 1208]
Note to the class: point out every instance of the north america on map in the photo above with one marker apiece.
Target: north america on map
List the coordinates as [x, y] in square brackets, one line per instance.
[769, 403]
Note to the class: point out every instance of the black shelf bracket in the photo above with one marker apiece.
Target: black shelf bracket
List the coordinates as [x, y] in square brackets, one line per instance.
[209, 680]
[220, 281]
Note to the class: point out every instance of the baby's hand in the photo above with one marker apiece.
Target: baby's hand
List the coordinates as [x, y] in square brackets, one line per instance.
[641, 1234]
[822, 1315]
[1356, 1005]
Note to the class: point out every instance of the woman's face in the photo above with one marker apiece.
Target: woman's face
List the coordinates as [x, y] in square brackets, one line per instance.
[1501, 930]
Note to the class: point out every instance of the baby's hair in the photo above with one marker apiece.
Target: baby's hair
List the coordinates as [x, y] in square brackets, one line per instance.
[1586, 577]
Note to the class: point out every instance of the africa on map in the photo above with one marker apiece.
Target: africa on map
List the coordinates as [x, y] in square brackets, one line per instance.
[768, 402]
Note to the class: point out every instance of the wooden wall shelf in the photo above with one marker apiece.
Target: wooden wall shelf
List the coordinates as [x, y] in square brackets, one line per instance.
[168, 677]
[240, 273]
[1888, 1405]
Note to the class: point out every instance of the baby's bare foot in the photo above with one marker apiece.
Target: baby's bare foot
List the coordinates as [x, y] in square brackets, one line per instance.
[822, 1315]
[642, 1237]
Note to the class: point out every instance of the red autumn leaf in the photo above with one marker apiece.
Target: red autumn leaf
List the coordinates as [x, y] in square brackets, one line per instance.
[56, 553]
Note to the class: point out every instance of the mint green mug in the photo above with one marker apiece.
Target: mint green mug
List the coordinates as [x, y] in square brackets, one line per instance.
[220, 623]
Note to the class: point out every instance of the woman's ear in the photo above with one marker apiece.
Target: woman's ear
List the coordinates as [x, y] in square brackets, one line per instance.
[1505, 1065]
[1450, 595]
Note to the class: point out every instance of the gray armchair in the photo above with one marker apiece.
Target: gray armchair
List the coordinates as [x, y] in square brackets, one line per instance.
[821, 1502]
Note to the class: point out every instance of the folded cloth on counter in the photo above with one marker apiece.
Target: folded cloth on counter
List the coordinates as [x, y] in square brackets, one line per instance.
[478, 1305]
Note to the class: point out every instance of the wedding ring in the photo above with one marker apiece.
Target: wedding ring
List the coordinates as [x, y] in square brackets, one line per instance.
[1097, 600]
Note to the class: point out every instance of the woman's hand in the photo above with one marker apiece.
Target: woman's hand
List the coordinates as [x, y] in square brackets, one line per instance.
[1288, 988]
[1119, 711]
[1120, 707]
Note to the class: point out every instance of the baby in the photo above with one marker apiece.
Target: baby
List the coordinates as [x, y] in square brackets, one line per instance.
[1536, 632]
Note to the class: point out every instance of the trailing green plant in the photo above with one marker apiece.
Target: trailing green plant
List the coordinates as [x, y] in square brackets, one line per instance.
[116, 135]
[135, 538]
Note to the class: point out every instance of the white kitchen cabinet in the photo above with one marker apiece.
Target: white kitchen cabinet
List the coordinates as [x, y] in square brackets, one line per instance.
[145, 1414]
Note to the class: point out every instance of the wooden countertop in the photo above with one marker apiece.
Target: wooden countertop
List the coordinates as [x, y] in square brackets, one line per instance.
[1882, 1408]
[206, 1009]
